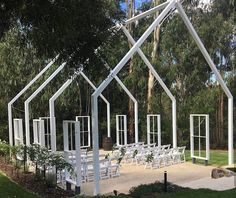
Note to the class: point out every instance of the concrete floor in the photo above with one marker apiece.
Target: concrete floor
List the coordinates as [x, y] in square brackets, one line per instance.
[185, 174]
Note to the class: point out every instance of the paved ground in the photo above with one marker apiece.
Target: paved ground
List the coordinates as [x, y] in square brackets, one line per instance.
[185, 174]
[223, 183]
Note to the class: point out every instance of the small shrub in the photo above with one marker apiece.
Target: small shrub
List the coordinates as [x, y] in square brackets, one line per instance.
[157, 187]
[149, 157]
[50, 180]
[5, 150]
[135, 153]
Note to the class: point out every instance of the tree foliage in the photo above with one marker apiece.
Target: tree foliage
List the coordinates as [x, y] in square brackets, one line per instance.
[32, 32]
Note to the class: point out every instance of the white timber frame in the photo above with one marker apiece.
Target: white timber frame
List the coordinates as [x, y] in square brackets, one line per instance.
[38, 132]
[85, 128]
[160, 81]
[168, 7]
[47, 132]
[21, 93]
[154, 129]
[202, 118]
[18, 131]
[52, 107]
[121, 129]
[69, 135]
[136, 138]
[70, 127]
[27, 102]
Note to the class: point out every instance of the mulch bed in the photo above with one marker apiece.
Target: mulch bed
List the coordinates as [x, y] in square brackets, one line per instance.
[29, 181]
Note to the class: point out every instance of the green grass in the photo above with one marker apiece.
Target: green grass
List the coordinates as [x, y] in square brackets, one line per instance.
[10, 189]
[217, 158]
[174, 191]
[202, 193]
[188, 193]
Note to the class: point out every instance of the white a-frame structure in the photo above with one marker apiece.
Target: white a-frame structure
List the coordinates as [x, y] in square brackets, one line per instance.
[21, 93]
[168, 7]
[58, 93]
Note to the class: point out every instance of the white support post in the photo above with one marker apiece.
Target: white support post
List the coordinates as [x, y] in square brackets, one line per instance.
[41, 132]
[163, 85]
[27, 117]
[207, 138]
[125, 130]
[174, 125]
[95, 144]
[10, 123]
[35, 130]
[191, 136]
[78, 157]
[148, 129]
[108, 120]
[117, 129]
[230, 132]
[106, 82]
[89, 129]
[218, 77]
[136, 122]
[159, 130]
[65, 136]
[21, 93]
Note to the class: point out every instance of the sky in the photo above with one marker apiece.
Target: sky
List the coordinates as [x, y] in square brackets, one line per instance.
[138, 3]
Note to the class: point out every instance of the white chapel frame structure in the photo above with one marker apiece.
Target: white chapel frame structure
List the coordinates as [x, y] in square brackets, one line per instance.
[10, 125]
[168, 7]
[58, 93]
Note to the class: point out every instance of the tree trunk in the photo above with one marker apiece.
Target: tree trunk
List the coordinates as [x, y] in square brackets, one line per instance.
[220, 119]
[151, 79]
[130, 13]
[80, 101]
[221, 129]
[88, 100]
[216, 137]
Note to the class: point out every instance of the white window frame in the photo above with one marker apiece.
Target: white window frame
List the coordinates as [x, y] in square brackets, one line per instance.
[152, 131]
[199, 136]
[18, 131]
[83, 142]
[69, 132]
[39, 132]
[47, 134]
[121, 129]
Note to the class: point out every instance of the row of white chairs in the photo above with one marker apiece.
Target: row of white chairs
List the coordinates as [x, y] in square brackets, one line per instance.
[165, 157]
[108, 168]
[151, 155]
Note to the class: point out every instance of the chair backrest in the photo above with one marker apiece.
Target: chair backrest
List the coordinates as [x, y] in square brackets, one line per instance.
[167, 146]
[182, 149]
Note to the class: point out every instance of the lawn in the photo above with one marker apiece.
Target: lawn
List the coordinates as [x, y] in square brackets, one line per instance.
[10, 189]
[188, 193]
[202, 193]
[217, 158]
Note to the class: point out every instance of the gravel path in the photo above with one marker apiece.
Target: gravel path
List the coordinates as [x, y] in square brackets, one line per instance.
[185, 174]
